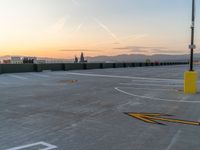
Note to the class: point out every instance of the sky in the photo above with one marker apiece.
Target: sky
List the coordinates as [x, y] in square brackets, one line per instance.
[64, 28]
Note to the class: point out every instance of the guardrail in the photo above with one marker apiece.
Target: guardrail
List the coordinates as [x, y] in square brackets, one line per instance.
[17, 68]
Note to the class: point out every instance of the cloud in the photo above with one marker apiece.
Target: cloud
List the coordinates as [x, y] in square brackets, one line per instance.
[122, 40]
[116, 43]
[150, 50]
[77, 28]
[136, 37]
[57, 27]
[138, 48]
[79, 50]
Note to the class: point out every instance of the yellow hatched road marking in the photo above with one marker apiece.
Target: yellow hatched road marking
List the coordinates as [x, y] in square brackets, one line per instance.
[154, 117]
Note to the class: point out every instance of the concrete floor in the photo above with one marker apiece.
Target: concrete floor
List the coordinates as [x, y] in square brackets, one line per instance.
[46, 111]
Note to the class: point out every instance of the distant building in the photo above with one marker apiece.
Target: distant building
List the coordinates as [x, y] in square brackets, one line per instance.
[8, 61]
[20, 60]
[16, 60]
[76, 59]
[82, 58]
[148, 61]
[29, 60]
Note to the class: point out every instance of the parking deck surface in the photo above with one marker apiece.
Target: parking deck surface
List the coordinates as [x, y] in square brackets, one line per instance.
[84, 110]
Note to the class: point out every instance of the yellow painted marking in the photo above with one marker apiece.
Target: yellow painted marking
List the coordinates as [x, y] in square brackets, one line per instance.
[153, 118]
[143, 119]
[176, 121]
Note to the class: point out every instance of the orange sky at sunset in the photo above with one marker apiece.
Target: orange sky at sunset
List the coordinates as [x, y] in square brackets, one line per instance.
[64, 28]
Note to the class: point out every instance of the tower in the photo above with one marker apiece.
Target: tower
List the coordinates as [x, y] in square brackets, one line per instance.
[82, 59]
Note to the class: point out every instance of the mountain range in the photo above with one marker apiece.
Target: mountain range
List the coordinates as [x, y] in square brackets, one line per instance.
[143, 58]
[127, 58]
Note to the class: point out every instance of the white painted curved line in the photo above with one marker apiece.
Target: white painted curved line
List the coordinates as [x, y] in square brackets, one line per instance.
[160, 85]
[154, 98]
[158, 81]
[150, 89]
[17, 77]
[121, 77]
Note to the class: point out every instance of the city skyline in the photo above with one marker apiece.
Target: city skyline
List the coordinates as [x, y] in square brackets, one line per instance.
[64, 28]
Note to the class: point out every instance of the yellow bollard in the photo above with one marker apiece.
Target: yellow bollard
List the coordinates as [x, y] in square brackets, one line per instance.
[190, 82]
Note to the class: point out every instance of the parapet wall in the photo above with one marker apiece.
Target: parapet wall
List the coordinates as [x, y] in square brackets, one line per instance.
[17, 68]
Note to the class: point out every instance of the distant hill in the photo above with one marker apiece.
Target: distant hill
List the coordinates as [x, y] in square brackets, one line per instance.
[142, 58]
[126, 58]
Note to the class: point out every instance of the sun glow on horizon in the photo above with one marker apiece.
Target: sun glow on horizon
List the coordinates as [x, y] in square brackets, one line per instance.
[64, 28]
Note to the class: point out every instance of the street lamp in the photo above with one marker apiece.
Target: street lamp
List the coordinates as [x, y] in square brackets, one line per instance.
[192, 45]
[191, 76]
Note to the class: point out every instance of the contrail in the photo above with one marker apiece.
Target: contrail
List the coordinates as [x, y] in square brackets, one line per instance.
[78, 27]
[103, 26]
[75, 2]
[123, 39]
[136, 36]
[57, 27]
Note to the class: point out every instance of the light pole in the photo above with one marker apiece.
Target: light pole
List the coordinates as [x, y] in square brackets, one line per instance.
[192, 45]
[191, 76]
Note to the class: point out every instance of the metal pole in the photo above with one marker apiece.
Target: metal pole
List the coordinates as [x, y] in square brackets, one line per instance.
[192, 46]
